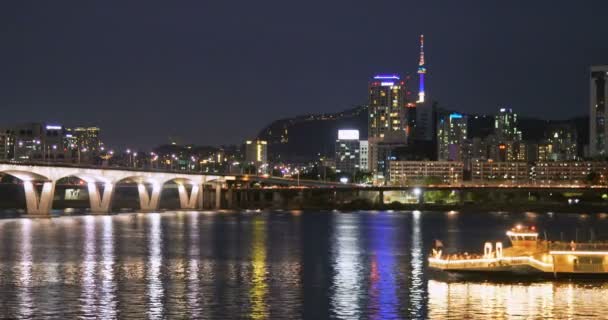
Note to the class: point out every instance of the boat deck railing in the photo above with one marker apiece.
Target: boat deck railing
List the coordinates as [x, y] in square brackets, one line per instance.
[447, 263]
[577, 246]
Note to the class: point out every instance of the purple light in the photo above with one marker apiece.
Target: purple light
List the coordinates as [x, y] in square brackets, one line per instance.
[387, 77]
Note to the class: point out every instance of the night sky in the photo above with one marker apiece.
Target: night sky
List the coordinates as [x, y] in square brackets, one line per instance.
[215, 72]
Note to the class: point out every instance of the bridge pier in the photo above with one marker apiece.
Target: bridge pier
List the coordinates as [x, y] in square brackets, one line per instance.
[100, 203]
[200, 196]
[149, 202]
[230, 198]
[218, 195]
[39, 204]
[248, 198]
[188, 201]
[277, 199]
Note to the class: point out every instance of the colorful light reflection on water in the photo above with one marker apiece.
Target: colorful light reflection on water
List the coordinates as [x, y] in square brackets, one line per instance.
[274, 266]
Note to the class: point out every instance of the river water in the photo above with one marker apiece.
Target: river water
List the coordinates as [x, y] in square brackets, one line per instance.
[277, 265]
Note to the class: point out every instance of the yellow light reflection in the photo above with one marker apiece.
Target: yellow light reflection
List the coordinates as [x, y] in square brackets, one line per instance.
[89, 265]
[417, 264]
[108, 287]
[155, 285]
[259, 288]
[193, 264]
[26, 303]
[347, 262]
[543, 300]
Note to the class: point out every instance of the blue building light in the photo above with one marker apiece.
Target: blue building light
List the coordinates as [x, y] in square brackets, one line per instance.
[387, 77]
[455, 116]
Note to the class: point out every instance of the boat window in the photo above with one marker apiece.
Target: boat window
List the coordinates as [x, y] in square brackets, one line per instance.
[590, 260]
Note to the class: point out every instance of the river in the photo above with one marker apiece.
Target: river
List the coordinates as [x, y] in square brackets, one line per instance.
[278, 265]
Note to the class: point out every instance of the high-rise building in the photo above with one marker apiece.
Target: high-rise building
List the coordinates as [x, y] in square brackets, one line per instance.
[598, 144]
[451, 136]
[7, 140]
[387, 109]
[348, 148]
[559, 144]
[87, 138]
[426, 119]
[388, 122]
[256, 154]
[505, 126]
[83, 144]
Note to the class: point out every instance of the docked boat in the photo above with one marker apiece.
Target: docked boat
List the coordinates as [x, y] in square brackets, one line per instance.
[528, 255]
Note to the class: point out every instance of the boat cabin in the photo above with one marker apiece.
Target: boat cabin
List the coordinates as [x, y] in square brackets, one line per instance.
[521, 236]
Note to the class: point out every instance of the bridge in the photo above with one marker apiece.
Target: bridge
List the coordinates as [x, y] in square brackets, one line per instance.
[39, 185]
[201, 190]
[39, 181]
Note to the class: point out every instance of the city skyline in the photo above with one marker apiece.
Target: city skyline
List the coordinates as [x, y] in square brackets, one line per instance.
[303, 160]
[171, 76]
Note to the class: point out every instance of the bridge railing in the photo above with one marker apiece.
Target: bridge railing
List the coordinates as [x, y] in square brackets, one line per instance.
[107, 167]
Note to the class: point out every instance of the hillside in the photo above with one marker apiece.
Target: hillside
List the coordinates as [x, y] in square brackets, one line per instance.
[305, 138]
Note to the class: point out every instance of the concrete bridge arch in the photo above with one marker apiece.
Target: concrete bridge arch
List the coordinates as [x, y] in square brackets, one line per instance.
[101, 185]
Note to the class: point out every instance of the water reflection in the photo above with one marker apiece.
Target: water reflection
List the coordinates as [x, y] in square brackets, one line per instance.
[259, 287]
[549, 300]
[416, 303]
[193, 265]
[232, 265]
[347, 262]
[26, 303]
[108, 284]
[384, 303]
[155, 285]
[88, 269]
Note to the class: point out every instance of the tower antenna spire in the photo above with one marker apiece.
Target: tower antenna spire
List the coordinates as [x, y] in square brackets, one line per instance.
[421, 62]
[421, 71]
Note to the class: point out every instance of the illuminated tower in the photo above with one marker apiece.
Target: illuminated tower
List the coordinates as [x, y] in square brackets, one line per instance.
[421, 71]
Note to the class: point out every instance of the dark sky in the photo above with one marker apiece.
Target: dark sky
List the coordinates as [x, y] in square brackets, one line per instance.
[213, 72]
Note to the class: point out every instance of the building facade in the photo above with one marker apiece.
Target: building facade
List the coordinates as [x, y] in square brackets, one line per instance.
[570, 172]
[560, 144]
[39, 142]
[496, 172]
[7, 144]
[387, 109]
[364, 155]
[598, 135]
[348, 148]
[87, 138]
[505, 125]
[405, 173]
[451, 136]
[256, 154]
[388, 123]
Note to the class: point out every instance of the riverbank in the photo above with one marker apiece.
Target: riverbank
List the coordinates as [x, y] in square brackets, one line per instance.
[474, 207]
